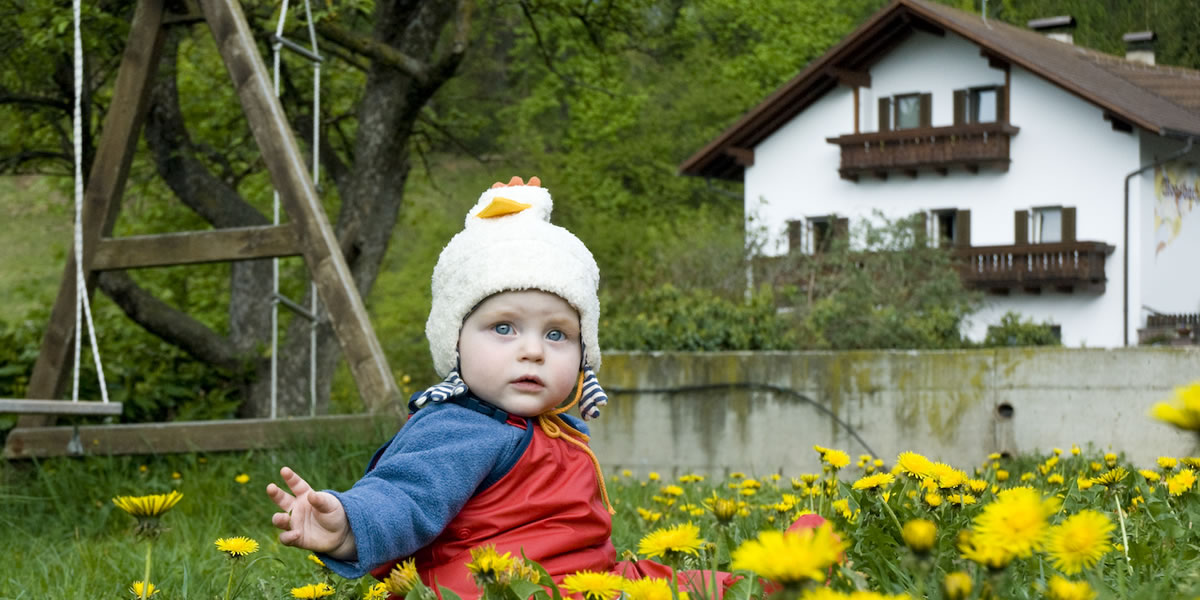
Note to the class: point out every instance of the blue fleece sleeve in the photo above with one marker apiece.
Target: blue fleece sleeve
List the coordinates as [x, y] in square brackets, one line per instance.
[421, 481]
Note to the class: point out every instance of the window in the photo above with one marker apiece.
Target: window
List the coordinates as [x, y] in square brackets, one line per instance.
[979, 105]
[821, 232]
[943, 224]
[982, 106]
[908, 111]
[905, 111]
[1047, 225]
[1044, 225]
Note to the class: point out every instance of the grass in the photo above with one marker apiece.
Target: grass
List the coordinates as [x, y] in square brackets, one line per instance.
[63, 537]
[35, 226]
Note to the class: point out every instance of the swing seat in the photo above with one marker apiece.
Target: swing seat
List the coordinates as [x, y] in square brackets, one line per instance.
[58, 407]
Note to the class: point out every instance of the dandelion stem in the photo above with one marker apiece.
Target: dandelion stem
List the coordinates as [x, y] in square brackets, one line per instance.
[899, 527]
[146, 574]
[1124, 536]
[229, 586]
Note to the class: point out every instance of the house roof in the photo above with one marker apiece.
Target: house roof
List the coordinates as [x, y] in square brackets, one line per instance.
[1160, 99]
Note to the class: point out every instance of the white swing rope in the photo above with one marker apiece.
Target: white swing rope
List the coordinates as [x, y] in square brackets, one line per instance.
[316, 174]
[82, 305]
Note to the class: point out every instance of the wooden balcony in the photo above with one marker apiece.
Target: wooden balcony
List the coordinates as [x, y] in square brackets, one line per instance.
[1064, 266]
[972, 147]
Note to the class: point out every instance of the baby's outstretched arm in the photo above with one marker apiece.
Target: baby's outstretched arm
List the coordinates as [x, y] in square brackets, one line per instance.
[310, 519]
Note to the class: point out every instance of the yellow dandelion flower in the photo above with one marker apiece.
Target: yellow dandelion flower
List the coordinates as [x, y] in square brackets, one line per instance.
[1055, 479]
[914, 465]
[836, 458]
[176, 475]
[1058, 452]
[1080, 541]
[1017, 521]
[521, 570]
[1026, 476]
[919, 535]
[487, 565]
[1181, 482]
[1110, 459]
[790, 557]
[1111, 477]
[1151, 476]
[143, 468]
[1001, 475]
[593, 585]
[237, 547]
[961, 499]
[1191, 461]
[649, 588]
[135, 588]
[626, 473]
[957, 585]
[402, 578]
[1182, 410]
[148, 507]
[653, 476]
[874, 482]
[842, 507]
[1096, 466]
[242, 479]
[648, 515]
[1084, 483]
[313, 558]
[1075, 450]
[680, 539]
[933, 499]
[376, 592]
[1061, 589]
[977, 486]
[1167, 463]
[673, 490]
[312, 591]
[751, 484]
[724, 510]
[947, 476]
[797, 484]
[748, 492]
[984, 552]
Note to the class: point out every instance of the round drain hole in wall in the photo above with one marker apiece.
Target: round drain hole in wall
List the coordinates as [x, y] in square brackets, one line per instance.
[1004, 411]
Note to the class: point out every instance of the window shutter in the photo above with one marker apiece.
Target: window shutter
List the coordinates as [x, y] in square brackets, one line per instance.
[1021, 227]
[960, 107]
[1002, 104]
[795, 236]
[885, 114]
[841, 228]
[926, 110]
[1068, 224]
[962, 228]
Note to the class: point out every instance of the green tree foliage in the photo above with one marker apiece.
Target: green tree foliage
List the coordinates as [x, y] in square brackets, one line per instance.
[1014, 331]
[669, 318]
[883, 287]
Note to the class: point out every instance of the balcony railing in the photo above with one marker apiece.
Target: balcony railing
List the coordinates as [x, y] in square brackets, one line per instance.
[971, 146]
[1064, 266]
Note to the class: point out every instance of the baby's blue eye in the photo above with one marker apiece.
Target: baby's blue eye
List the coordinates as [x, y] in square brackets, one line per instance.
[556, 336]
[502, 328]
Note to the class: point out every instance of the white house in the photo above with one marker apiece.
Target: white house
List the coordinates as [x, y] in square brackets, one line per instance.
[1064, 178]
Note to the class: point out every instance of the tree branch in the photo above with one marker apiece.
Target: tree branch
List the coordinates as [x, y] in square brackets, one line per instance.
[164, 321]
[375, 50]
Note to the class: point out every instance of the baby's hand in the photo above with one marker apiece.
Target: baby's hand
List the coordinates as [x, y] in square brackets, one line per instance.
[311, 520]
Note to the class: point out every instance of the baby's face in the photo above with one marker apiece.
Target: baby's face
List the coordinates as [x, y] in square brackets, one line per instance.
[521, 351]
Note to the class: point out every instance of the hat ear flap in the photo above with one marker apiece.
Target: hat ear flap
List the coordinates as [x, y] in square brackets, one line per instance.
[451, 387]
[592, 397]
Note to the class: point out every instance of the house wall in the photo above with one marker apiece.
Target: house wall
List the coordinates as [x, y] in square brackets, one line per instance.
[1166, 223]
[1065, 154]
[943, 404]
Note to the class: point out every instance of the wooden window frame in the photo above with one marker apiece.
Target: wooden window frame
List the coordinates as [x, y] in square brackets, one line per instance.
[1036, 232]
[966, 105]
[896, 99]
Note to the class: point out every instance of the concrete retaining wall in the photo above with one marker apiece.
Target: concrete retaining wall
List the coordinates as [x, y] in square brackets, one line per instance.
[677, 412]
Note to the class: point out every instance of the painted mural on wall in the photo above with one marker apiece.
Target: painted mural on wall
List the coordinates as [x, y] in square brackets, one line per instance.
[1175, 197]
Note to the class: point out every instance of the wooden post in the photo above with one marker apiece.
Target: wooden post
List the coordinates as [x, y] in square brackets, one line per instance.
[101, 199]
[290, 176]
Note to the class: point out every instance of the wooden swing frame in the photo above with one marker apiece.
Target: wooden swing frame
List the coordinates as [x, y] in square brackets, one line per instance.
[308, 234]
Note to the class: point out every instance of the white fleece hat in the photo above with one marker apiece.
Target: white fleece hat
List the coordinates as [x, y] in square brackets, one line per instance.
[509, 244]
